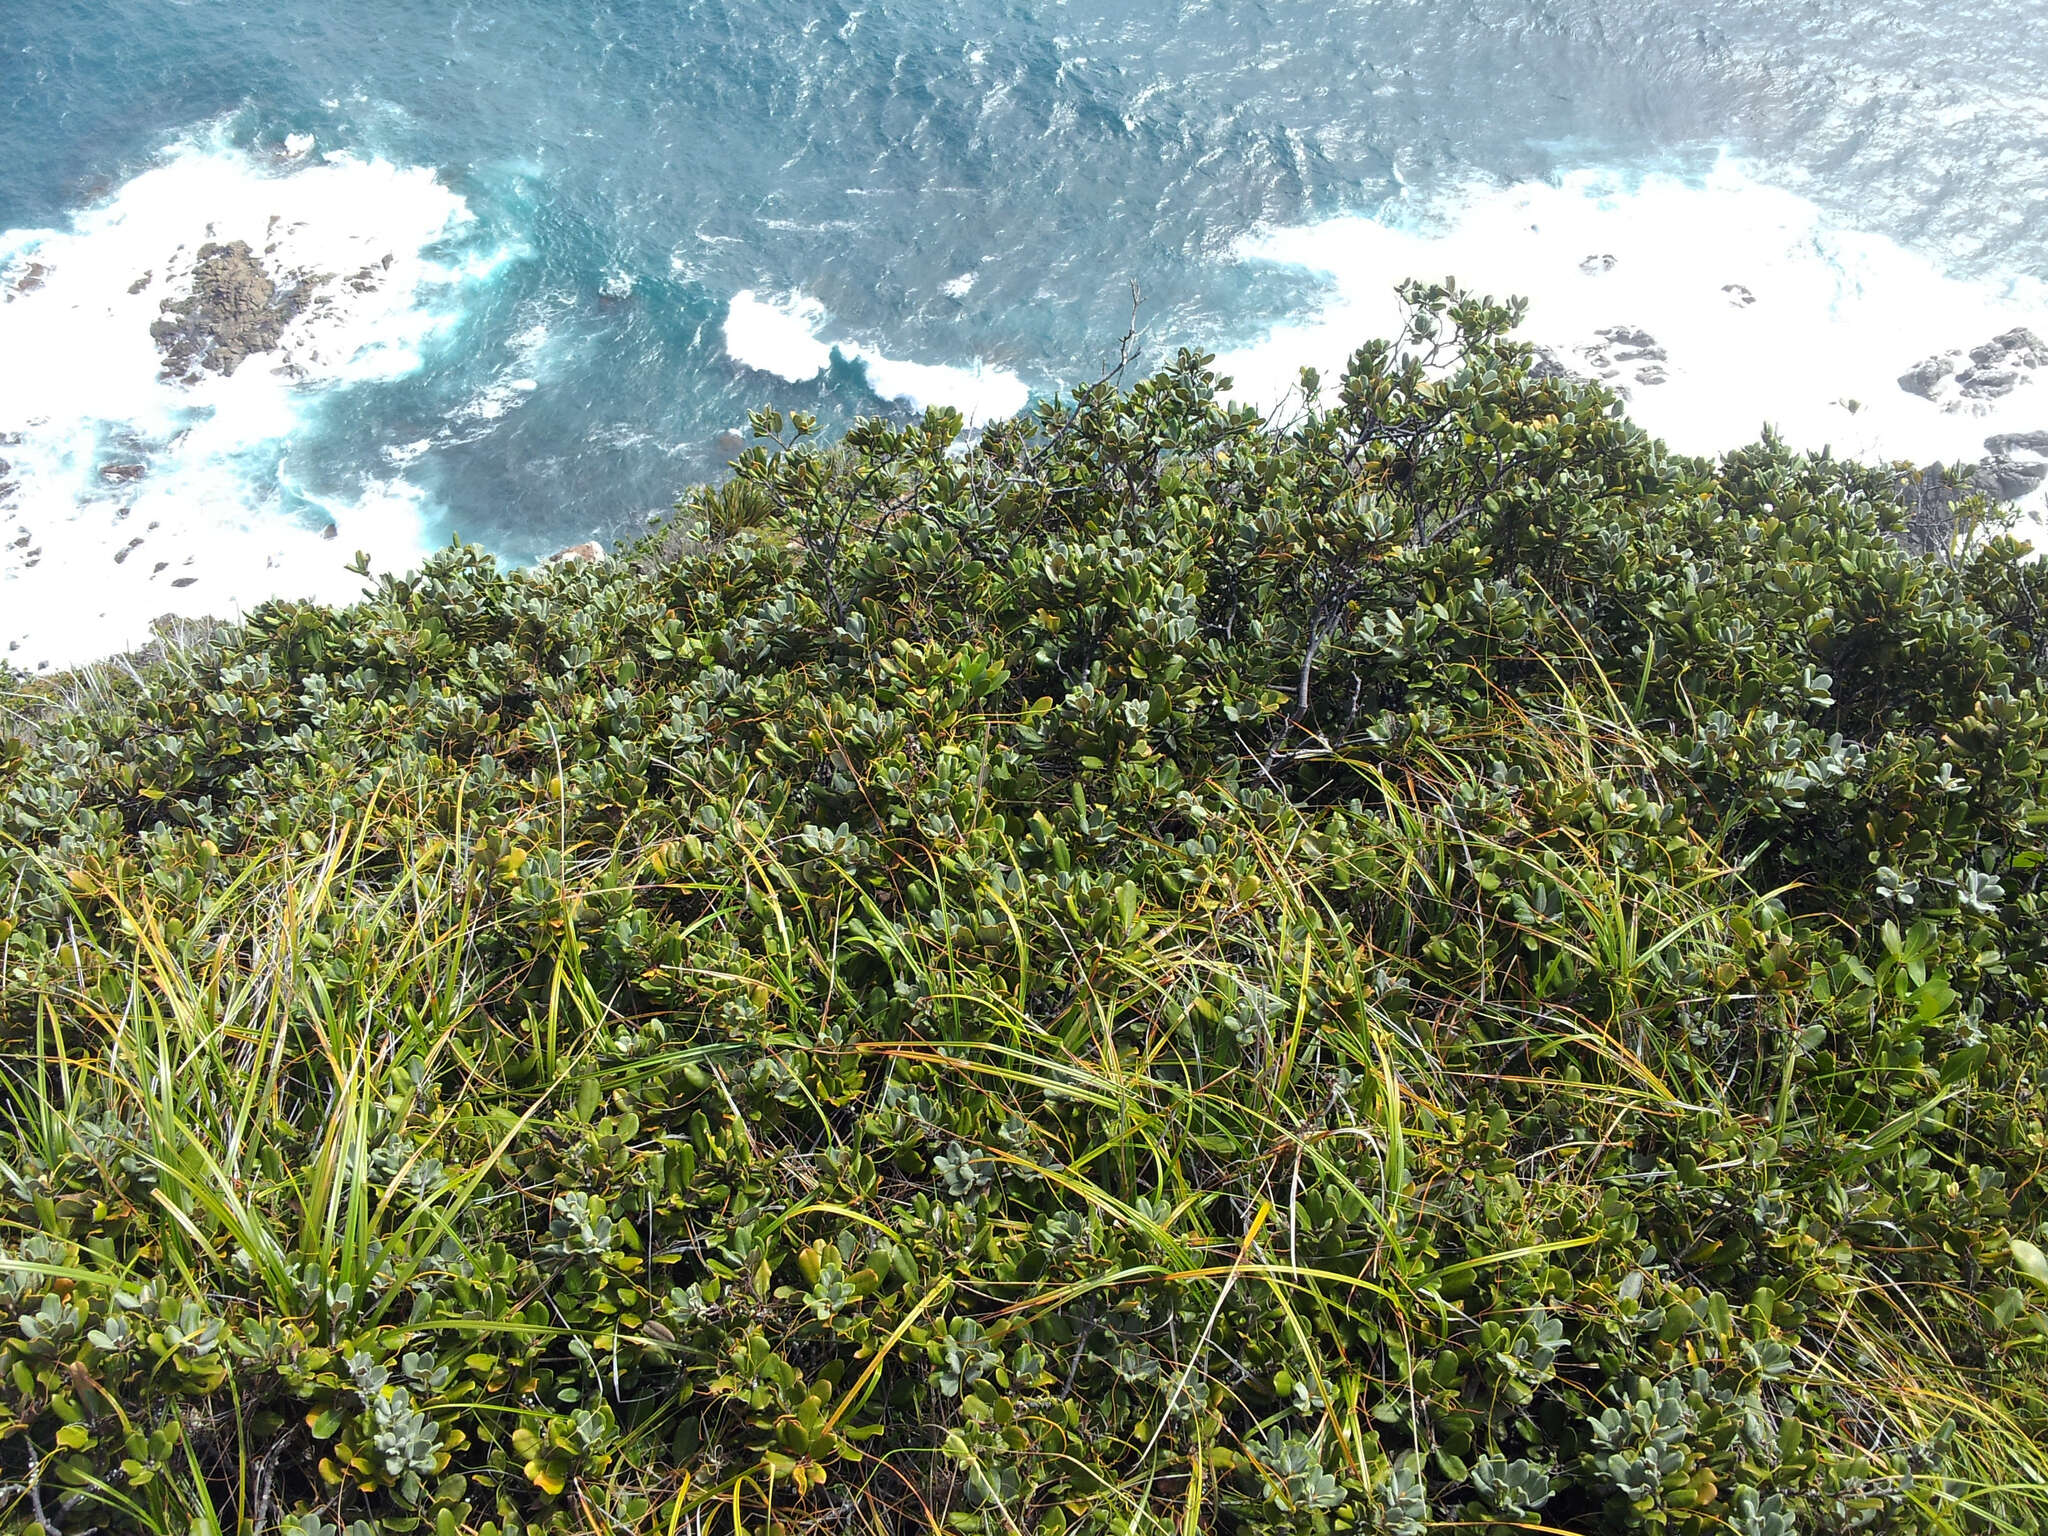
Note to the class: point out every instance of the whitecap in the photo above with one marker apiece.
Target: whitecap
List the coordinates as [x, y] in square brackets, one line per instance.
[979, 392]
[784, 335]
[495, 399]
[777, 335]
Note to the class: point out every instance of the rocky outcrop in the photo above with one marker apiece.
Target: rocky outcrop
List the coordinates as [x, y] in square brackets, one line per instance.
[235, 311]
[1924, 377]
[590, 552]
[2000, 363]
[2008, 479]
[2006, 443]
[1988, 372]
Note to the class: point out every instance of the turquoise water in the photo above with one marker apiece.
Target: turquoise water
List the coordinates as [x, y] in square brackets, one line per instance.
[920, 199]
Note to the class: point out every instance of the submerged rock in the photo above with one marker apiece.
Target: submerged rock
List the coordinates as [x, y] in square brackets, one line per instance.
[236, 310]
[1632, 343]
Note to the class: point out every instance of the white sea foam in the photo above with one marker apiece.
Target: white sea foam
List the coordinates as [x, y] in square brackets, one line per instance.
[784, 335]
[1767, 311]
[777, 334]
[977, 391]
[495, 399]
[958, 287]
[191, 485]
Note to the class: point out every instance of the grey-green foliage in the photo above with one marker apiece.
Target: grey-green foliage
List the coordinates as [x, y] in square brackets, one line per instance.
[1518, 1487]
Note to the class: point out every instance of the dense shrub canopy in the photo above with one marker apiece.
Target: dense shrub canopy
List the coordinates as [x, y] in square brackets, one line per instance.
[1428, 966]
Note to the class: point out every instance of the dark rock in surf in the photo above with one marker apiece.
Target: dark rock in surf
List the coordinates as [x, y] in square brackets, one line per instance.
[1923, 377]
[2005, 479]
[236, 310]
[1994, 370]
[1632, 343]
[2018, 346]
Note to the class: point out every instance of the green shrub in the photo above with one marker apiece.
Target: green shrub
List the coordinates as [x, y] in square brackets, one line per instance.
[1430, 966]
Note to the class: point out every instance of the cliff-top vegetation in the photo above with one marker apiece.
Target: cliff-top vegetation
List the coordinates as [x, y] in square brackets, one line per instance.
[1428, 966]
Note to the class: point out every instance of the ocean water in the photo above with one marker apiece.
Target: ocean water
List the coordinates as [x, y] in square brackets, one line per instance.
[566, 247]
